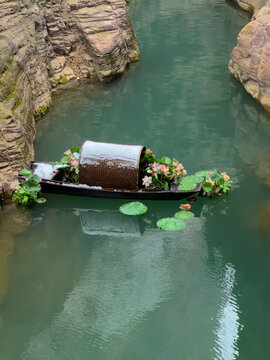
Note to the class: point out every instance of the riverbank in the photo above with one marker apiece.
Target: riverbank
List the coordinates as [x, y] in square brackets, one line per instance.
[46, 46]
[250, 59]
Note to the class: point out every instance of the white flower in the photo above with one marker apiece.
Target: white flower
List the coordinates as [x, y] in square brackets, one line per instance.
[147, 180]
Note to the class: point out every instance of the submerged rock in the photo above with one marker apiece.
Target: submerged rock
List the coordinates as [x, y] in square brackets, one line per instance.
[46, 45]
[250, 59]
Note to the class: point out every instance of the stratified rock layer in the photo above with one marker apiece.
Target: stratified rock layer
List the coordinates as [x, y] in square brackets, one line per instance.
[251, 5]
[250, 59]
[51, 44]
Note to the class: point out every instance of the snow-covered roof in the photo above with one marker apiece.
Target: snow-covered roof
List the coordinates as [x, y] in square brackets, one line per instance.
[110, 165]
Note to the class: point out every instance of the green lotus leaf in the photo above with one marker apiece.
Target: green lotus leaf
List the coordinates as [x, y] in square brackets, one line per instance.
[187, 187]
[191, 179]
[41, 200]
[183, 215]
[205, 173]
[26, 172]
[133, 208]
[170, 224]
[165, 160]
[65, 160]
[75, 149]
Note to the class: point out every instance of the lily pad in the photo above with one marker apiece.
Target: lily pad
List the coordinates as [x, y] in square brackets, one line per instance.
[187, 187]
[188, 183]
[133, 208]
[192, 179]
[205, 172]
[41, 200]
[170, 224]
[184, 215]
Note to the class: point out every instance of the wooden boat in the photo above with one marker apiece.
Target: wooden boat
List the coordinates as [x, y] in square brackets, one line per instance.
[107, 171]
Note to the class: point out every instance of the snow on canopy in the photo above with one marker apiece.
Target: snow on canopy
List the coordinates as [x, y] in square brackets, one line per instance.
[111, 166]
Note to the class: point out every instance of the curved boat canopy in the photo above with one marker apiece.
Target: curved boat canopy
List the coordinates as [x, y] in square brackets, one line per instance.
[111, 166]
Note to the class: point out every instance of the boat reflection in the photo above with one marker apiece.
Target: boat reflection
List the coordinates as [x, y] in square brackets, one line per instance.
[109, 223]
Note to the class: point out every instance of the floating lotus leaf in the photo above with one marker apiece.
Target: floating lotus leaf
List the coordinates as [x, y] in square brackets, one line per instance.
[133, 208]
[184, 215]
[41, 200]
[205, 172]
[189, 182]
[170, 224]
[192, 179]
[187, 187]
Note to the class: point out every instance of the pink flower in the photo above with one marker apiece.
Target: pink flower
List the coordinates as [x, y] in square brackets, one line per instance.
[152, 174]
[155, 167]
[148, 151]
[68, 152]
[225, 176]
[54, 171]
[70, 161]
[174, 176]
[165, 169]
[185, 207]
[209, 173]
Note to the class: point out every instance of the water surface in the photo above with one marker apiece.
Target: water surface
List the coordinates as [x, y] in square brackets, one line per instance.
[84, 282]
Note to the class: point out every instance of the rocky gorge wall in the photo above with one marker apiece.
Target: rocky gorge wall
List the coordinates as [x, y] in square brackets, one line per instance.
[250, 59]
[46, 45]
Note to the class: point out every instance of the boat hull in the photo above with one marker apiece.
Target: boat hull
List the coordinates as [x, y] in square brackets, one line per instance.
[57, 187]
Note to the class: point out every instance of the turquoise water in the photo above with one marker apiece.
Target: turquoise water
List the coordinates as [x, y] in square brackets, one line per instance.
[84, 282]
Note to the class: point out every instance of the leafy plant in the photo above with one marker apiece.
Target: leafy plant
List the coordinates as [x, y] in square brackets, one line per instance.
[27, 193]
[187, 184]
[170, 224]
[190, 182]
[160, 173]
[183, 215]
[69, 165]
[216, 183]
[133, 208]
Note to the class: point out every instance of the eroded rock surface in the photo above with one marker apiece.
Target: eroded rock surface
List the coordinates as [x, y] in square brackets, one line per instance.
[51, 44]
[250, 59]
[251, 5]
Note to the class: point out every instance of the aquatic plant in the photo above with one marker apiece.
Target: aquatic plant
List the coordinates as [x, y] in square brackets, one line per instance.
[216, 183]
[185, 207]
[160, 173]
[189, 183]
[184, 215]
[69, 165]
[170, 224]
[27, 192]
[133, 208]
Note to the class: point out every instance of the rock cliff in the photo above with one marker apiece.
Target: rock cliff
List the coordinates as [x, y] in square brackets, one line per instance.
[250, 59]
[50, 44]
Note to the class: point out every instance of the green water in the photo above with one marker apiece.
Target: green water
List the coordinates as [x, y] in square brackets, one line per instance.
[83, 282]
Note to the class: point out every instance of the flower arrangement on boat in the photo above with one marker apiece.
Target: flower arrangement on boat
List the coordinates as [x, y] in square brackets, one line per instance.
[69, 165]
[160, 173]
[216, 183]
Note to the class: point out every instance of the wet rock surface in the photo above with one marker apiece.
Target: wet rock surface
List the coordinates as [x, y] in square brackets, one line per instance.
[250, 58]
[49, 45]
